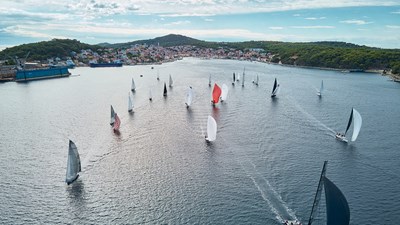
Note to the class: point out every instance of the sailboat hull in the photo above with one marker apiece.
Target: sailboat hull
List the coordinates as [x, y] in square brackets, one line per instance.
[291, 222]
[340, 138]
[70, 181]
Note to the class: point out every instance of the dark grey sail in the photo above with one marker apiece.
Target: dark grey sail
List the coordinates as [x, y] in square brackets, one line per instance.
[337, 208]
[349, 123]
[317, 194]
[112, 120]
[165, 89]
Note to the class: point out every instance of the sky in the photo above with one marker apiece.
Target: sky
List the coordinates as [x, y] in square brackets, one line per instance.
[373, 23]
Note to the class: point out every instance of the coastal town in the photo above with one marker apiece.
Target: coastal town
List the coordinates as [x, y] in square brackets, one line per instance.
[138, 54]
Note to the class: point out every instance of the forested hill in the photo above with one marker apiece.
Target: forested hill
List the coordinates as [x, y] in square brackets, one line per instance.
[46, 49]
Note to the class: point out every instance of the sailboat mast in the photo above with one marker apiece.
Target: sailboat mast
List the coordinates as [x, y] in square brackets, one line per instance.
[318, 194]
[349, 123]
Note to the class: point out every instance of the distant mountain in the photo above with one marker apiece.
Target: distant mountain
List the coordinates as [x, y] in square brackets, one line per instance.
[165, 41]
[46, 49]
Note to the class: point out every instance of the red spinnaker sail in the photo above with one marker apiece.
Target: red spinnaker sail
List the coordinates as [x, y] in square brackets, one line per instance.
[117, 122]
[216, 93]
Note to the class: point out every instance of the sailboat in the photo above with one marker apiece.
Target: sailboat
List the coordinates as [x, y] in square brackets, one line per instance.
[150, 95]
[158, 75]
[319, 93]
[256, 80]
[130, 103]
[337, 208]
[189, 97]
[133, 86]
[73, 163]
[244, 69]
[238, 77]
[224, 92]
[233, 81]
[117, 123]
[211, 129]
[209, 81]
[112, 120]
[356, 120]
[216, 94]
[165, 89]
[170, 81]
[275, 89]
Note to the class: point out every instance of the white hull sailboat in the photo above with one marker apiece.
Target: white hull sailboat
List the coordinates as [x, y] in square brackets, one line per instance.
[356, 120]
[150, 95]
[244, 69]
[209, 81]
[256, 80]
[73, 163]
[133, 86]
[319, 93]
[189, 97]
[337, 208]
[211, 129]
[275, 89]
[130, 103]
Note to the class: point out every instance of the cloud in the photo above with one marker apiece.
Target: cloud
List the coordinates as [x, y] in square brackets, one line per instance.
[296, 15]
[315, 18]
[396, 12]
[313, 27]
[357, 22]
[181, 22]
[208, 20]
[275, 28]
[393, 26]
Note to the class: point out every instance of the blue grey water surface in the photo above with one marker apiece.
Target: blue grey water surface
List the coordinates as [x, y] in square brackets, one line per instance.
[263, 168]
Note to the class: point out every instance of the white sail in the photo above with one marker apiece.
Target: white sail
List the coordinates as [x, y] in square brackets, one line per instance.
[158, 75]
[224, 93]
[319, 93]
[189, 97]
[256, 81]
[357, 122]
[130, 103]
[243, 76]
[238, 77]
[150, 95]
[209, 80]
[133, 86]
[211, 129]
[73, 163]
[170, 81]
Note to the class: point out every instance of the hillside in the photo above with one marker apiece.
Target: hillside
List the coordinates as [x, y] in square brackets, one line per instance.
[46, 49]
[165, 41]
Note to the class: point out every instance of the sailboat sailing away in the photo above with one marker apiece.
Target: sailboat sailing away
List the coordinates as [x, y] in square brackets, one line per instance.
[211, 129]
[275, 89]
[319, 93]
[117, 123]
[73, 163]
[224, 93]
[150, 95]
[244, 69]
[130, 103]
[133, 86]
[112, 120]
[337, 208]
[165, 89]
[170, 81]
[158, 75]
[233, 82]
[189, 97]
[209, 81]
[216, 94]
[256, 81]
[356, 120]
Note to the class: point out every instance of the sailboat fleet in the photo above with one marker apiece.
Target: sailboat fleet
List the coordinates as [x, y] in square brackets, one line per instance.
[337, 209]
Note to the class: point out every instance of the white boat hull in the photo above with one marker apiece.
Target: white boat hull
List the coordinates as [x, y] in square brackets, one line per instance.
[341, 138]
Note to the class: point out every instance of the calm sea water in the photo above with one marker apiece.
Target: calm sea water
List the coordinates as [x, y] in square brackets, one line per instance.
[264, 166]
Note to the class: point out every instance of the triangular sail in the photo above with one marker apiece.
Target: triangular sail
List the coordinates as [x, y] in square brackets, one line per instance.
[322, 87]
[117, 123]
[244, 69]
[357, 124]
[275, 89]
[256, 82]
[211, 129]
[158, 75]
[73, 163]
[234, 77]
[133, 86]
[317, 194]
[209, 80]
[189, 96]
[349, 123]
[216, 93]
[150, 95]
[130, 103]
[165, 89]
[224, 92]
[170, 81]
[112, 120]
[337, 208]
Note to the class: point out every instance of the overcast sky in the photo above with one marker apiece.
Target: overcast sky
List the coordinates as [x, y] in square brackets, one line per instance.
[366, 22]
